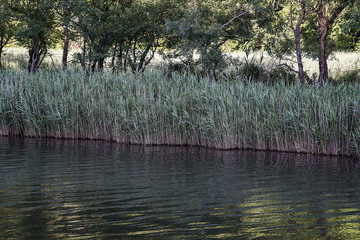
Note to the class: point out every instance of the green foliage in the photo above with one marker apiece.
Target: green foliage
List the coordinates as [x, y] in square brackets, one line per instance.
[150, 108]
[197, 36]
[256, 107]
[95, 26]
[36, 21]
[204, 29]
[349, 29]
[349, 77]
[7, 27]
[281, 74]
[124, 35]
[251, 68]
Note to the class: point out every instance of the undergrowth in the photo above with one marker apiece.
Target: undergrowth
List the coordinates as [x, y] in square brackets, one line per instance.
[181, 109]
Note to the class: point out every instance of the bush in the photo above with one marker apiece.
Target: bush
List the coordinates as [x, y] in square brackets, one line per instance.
[349, 77]
[281, 74]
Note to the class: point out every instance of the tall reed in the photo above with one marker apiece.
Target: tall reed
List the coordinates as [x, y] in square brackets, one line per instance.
[181, 109]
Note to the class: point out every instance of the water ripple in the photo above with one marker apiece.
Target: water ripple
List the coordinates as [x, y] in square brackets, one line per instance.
[91, 190]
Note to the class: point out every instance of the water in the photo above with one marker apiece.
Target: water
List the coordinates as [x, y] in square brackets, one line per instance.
[51, 189]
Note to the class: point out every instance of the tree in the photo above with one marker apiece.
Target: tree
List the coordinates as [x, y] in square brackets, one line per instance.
[7, 27]
[105, 27]
[327, 13]
[205, 27]
[142, 40]
[36, 28]
[312, 26]
[296, 28]
[141, 32]
[350, 27]
[346, 30]
[197, 36]
[65, 11]
[296, 19]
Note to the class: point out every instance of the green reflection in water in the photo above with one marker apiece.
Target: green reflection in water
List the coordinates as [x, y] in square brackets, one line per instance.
[123, 194]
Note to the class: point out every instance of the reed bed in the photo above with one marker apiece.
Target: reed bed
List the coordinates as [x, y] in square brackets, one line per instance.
[181, 109]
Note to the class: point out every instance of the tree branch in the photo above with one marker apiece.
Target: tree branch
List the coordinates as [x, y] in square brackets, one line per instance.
[288, 66]
[302, 16]
[52, 61]
[235, 17]
[291, 18]
[335, 14]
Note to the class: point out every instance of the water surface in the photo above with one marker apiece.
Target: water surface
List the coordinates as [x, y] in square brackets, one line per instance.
[51, 189]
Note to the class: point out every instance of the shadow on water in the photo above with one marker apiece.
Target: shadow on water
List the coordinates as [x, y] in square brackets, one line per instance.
[99, 190]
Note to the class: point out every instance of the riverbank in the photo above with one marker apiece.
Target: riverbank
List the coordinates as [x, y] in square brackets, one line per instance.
[154, 108]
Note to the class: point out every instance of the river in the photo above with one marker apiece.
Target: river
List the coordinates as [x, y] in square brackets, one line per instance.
[67, 189]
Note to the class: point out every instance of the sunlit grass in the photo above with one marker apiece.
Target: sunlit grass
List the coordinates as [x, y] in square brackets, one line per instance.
[181, 109]
[17, 58]
[339, 62]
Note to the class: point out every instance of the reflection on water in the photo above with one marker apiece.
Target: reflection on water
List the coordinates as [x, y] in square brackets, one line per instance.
[94, 190]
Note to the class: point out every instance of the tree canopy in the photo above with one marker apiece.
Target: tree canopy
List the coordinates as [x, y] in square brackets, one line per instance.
[125, 35]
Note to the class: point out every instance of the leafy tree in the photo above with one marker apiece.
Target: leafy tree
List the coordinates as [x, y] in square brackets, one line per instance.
[149, 35]
[346, 30]
[142, 40]
[204, 29]
[350, 27]
[289, 17]
[198, 37]
[128, 33]
[36, 28]
[296, 29]
[94, 24]
[312, 26]
[327, 13]
[7, 27]
[66, 15]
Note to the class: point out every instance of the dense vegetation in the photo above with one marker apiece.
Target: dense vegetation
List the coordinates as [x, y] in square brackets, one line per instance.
[153, 108]
[202, 96]
[125, 35]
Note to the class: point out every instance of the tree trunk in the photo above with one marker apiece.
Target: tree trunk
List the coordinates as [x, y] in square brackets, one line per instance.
[297, 33]
[2, 45]
[66, 47]
[214, 73]
[120, 58]
[141, 66]
[113, 58]
[301, 72]
[322, 35]
[33, 60]
[93, 66]
[1, 49]
[42, 55]
[125, 56]
[323, 68]
[101, 65]
[83, 65]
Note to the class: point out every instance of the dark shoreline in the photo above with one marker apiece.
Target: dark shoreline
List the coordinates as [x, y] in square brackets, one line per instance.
[170, 146]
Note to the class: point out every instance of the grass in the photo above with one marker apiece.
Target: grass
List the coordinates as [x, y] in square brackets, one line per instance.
[181, 109]
[339, 63]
